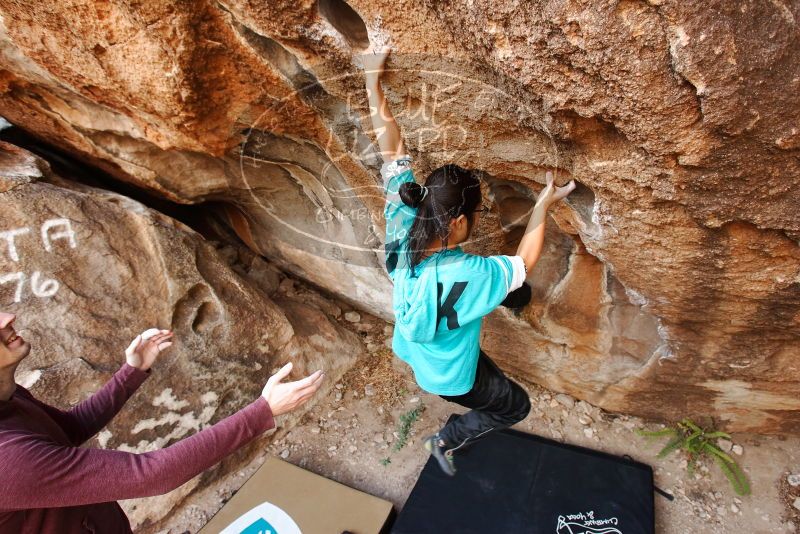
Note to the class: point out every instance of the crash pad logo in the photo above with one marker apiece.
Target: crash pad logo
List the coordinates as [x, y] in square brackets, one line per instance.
[266, 518]
[261, 526]
[586, 523]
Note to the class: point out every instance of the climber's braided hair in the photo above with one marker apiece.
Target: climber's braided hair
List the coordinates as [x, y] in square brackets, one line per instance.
[449, 191]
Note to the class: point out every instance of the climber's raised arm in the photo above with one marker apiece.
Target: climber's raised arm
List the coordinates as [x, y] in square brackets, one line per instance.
[383, 123]
[530, 247]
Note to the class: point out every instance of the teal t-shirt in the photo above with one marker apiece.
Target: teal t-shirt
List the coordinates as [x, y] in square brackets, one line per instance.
[439, 306]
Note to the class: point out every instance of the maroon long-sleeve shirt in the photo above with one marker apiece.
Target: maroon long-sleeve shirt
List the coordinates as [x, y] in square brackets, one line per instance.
[50, 484]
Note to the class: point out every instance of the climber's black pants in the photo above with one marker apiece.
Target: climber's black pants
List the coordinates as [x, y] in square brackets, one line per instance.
[495, 402]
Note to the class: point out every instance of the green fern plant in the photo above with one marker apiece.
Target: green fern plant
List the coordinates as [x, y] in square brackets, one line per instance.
[698, 442]
[406, 422]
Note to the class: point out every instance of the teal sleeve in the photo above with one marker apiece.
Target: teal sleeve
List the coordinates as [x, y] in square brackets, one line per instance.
[399, 217]
[490, 281]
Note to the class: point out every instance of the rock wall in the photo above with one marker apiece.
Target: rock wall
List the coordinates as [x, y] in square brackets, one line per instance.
[89, 270]
[670, 283]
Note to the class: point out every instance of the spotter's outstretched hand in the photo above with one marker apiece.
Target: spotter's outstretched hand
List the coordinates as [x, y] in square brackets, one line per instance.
[285, 397]
[145, 348]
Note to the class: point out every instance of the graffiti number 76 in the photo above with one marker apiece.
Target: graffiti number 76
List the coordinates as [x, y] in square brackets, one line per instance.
[40, 286]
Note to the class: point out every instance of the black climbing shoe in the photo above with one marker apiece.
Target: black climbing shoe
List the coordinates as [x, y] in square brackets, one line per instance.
[443, 456]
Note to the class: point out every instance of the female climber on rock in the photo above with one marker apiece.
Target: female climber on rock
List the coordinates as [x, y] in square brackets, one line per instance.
[441, 293]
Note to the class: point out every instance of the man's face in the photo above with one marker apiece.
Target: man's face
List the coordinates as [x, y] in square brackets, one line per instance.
[13, 348]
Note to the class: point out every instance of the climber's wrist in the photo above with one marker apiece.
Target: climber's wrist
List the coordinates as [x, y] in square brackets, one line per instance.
[542, 205]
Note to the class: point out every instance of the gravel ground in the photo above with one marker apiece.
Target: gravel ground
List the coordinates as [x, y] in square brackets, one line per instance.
[349, 435]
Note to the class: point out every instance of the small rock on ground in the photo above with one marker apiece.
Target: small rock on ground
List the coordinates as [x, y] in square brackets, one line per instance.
[565, 400]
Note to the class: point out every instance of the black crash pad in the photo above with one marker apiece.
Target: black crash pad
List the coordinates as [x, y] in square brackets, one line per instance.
[512, 482]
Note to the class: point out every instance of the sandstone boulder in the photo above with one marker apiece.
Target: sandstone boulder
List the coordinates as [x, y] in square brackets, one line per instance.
[86, 270]
[670, 284]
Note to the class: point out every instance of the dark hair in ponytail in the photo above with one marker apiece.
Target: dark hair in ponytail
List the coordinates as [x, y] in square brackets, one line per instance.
[449, 191]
